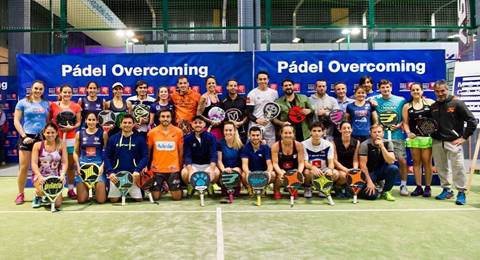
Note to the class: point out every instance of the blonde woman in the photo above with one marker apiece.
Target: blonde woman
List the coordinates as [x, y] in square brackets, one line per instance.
[228, 150]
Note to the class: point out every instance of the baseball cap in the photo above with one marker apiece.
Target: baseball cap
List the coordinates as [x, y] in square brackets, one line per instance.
[117, 84]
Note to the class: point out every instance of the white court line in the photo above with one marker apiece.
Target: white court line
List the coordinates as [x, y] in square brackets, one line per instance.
[237, 211]
[220, 255]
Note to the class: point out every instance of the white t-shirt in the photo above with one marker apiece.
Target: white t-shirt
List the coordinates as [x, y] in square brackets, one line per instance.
[318, 155]
[258, 98]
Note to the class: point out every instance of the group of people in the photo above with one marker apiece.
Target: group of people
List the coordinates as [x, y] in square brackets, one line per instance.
[178, 138]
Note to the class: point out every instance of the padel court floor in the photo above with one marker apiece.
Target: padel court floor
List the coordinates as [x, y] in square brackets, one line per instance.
[409, 228]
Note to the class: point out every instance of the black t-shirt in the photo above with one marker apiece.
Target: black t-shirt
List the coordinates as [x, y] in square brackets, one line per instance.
[373, 153]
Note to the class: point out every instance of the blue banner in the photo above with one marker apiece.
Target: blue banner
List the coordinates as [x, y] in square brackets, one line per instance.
[306, 67]
[156, 69]
[8, 100]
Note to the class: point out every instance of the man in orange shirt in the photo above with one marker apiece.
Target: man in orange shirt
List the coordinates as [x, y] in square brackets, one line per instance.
[165, 145]
[185, 101]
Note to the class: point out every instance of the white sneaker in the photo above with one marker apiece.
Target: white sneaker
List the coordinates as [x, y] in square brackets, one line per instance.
[307, 193]
[404, 190]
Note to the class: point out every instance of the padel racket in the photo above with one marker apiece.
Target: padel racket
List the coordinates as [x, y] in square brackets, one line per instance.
[324, 184]
[230, 181]
[106, 118]
[293, 180]
[234, 115]
[200, 181]
[185, 126]
[357, 181]
[52, 188]
[271, 110]
[146, 183]
[124, 183]
[64, 119]
[258, 180]
[336, 117]
[295, 115]
[426, 126]
[89, 173]
[388, 119]
[141, 111]
[216, 114]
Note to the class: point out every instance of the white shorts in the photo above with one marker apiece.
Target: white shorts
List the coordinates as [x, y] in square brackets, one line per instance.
[134, 191]
[201, 167]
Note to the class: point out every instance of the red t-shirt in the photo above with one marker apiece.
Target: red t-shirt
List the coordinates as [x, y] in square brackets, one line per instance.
[55, 109]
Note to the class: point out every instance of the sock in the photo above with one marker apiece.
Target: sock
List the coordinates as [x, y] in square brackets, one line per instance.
[70, 186]
[403, 183]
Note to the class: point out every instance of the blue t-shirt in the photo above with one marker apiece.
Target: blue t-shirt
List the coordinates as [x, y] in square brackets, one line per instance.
[230, 156]
[91, 147]
[257, 160]
[360, 118]
[394, 103]
[34, 115]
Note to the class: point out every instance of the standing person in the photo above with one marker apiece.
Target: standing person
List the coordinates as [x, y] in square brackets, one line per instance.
[451, 114]
[256, 100]
[389, 102]
[286, 102]
[125, 151]
[256, 157]
[200, 152]
[367, 82]
[346, 149]
[420, 146]
[65, 103]
[33, 110]
[162, 102]
[377, 162]
[141, 98]
[165, 145]
[319, 159]
[117, 105]
[207, 101]
[323, 104]
[186, 103]
[361, 114]
[228, 150]
[91, 102]
[341, 93]
[89, 145]
[49, 158]
[234, 101]
[287, 154]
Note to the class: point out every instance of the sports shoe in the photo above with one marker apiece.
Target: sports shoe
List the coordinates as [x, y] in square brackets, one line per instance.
[403, 190]
[20, 198]
[427, 193]
[461, 198]
[44, 201]
[388, 196]
[36, 202]
[277, 195]
[417, 192]
[446, 194]
[189, 191]
[71, 194]
[307, 193]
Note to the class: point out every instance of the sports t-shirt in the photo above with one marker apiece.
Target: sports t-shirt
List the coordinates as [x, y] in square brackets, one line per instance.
[257, 160]
[156, 107]
[258, 98]
[416, 114]
[373, 153]
[185, 105]
[394, 103]
[164, 148]
[91, 146]
[135, 101]
[360, 118]
[34, 115]
[55, 109]
[230, 156]
[345, 154]
[318, 155]
[91, 106]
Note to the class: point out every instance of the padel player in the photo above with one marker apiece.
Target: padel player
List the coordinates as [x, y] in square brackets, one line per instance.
[141, 88]
[185, 101]
[235, 101]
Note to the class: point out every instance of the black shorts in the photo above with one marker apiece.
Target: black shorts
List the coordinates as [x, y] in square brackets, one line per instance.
[172, 179]
[28, 147]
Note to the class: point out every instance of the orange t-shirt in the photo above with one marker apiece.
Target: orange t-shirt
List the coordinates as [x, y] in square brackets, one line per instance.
[185, 105]
[55, 109]
[164, 149]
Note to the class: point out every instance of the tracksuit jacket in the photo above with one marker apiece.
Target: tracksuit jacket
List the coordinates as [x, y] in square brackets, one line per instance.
[451, 116]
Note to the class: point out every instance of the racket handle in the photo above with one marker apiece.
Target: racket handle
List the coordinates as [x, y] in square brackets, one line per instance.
[150, 197]
[259, 200]
[90, 193]
[52, 206]
[202, 200]
[123, 200]
[330, 200]
[389, 135]
[355, 201]
[292, 200]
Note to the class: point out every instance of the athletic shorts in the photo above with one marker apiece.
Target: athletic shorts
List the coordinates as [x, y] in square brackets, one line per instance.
[70, 145]
[172, 179]
[419, 142]
[399, 149]
[28, 147]
[134, 192]
[201, 167]
[102, 178]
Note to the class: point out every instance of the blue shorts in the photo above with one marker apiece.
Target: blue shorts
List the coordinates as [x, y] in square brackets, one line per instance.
[101, 178]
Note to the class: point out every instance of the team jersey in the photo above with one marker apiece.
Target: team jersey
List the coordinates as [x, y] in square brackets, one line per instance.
[230, 156]
[91, 106]
[135, 101]
[55, 109]
[91, 146]
[318, 155]
[290, 161]
[395, 104]
[257, 159]
[164, 147]
[257, 98]
[360, 118]
[34, 115]
[185, 105]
